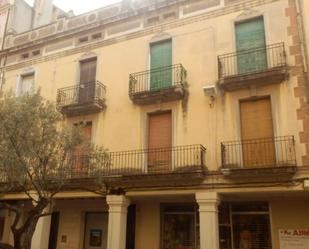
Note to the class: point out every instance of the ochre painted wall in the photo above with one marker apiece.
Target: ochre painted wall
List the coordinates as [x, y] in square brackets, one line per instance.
[123, 125]
[288, 214]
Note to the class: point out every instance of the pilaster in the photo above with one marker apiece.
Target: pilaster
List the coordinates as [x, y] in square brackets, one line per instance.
[117, 221]
[209, 227]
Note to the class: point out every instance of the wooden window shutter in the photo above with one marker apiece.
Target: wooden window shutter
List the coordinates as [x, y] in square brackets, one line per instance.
[251, 35]
[161, 56]
[88, 70]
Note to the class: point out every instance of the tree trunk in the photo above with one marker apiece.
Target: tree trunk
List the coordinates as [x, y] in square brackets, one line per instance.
[5, 246]
[23, 235]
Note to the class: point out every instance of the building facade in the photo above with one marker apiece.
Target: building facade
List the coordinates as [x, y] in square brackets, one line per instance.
[203, 106]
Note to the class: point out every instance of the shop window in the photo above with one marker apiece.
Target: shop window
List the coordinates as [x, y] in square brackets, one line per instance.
[244, 226]
[179, 227]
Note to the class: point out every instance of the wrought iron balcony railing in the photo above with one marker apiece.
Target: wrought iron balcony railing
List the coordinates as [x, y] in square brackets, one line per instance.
[81, 95]
[251, 61]
[157, 79]
[259, 153]
[180, 159]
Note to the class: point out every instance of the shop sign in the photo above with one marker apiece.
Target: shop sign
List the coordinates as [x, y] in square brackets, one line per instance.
[294, 238]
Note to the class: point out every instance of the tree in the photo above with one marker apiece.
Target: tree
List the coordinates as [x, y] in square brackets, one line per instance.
[35, 158]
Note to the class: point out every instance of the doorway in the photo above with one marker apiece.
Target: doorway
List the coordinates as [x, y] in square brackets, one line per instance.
[96, 224]
[87, 82]
[160, 65]
[258, 148]
[54, 227]
[160, 141]
[251, 45]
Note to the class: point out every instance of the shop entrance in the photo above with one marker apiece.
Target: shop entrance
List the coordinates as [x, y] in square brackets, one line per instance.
[96, 230]
[244, 226]
[179, 227]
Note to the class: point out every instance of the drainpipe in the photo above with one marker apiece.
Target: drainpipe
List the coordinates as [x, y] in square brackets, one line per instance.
[4, 57]
[303, 44]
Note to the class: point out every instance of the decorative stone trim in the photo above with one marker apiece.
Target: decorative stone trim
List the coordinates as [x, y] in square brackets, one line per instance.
[298, 72]
[239, 5]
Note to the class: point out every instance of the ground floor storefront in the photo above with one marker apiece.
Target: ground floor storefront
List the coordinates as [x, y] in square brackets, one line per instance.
[201, 220]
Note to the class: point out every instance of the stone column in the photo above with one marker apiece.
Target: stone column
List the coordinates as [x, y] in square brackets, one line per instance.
[40, 237]
[209, 227]
[117, 221]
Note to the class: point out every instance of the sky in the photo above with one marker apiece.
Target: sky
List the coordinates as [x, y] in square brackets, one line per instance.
[80, 6]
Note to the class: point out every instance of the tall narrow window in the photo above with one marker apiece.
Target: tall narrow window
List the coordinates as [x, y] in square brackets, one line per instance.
[25, 84]
[159, 141]
[257, 124]
[81, 159]
[251, 45]
[160, 65]
[87, 81]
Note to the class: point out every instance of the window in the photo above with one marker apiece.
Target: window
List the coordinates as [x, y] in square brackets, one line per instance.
[83, 39]
[96, 36]
[25, 84]
[24, 56]
[244, 225]
[36, 52]
[160, 65]
[86, 93]
[80, 163]
[179, 227]
[251, 45]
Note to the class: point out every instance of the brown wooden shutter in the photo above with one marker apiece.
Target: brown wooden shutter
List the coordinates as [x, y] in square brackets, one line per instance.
[160, 140]
[88, 70]
[80, 163]
[257, 123]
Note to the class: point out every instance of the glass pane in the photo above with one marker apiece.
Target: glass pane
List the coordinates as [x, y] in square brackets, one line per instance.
[251, 232]
[224, 214]
[250, 207]
[178, 231]
[225, 237]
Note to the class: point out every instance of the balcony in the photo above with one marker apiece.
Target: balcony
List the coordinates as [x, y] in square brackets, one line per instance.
[158, 85]
[81, 99]
[265, 155]
[181, 165]
[142, 165]
[254, 67]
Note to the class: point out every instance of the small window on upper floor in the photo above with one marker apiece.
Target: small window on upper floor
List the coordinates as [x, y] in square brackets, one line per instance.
[25, 84]
[25, 56]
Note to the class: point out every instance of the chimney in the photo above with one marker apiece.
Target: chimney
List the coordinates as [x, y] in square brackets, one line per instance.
[43, 12]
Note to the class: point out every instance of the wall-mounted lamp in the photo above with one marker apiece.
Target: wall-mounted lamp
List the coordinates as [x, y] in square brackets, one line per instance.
[306, 184]
[211, 92]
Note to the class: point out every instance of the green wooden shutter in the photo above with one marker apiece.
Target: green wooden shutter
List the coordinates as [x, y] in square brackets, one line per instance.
[251, 35]
[160, 65]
